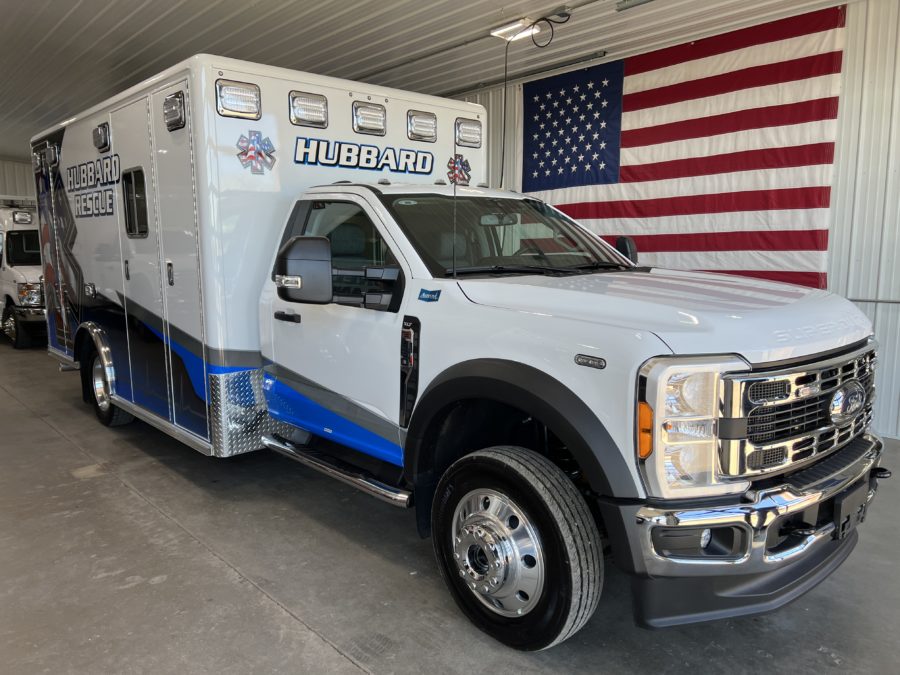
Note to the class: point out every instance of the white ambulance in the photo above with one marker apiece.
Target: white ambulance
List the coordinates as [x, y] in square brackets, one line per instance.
[247, 257]
[21, 290]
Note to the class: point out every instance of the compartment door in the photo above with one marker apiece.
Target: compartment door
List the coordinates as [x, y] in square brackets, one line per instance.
[141, 266]
[182, 298]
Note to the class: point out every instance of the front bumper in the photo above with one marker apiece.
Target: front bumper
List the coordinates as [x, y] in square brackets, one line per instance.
[30, 314]
[782, 540]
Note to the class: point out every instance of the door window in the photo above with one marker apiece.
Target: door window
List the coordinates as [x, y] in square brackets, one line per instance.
[355, 245]
[134, 195]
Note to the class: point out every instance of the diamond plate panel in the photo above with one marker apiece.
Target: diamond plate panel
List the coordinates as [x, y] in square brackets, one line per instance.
[238, 415]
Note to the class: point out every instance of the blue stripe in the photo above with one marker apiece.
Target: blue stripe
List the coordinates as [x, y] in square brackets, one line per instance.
[287, 405]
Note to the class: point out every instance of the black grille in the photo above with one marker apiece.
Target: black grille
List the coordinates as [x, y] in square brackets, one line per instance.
[786, 420]
[764, 392]
[766, 459]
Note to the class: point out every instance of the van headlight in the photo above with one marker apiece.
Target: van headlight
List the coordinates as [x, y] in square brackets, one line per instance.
[29, 294]
[679, 405]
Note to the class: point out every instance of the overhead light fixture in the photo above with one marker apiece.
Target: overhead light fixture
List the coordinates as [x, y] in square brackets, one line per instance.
[628, 4]
[522, 28]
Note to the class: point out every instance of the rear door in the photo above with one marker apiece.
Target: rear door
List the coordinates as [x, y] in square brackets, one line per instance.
[142, 269]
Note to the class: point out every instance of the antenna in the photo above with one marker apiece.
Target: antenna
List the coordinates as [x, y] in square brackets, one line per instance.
[453, 235]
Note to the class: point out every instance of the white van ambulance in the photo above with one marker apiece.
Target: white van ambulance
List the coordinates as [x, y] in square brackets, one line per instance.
[21, 289]
[245, 257]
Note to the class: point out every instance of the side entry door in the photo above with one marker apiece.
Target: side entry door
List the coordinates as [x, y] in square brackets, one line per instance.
[141, 269]
[337, 368]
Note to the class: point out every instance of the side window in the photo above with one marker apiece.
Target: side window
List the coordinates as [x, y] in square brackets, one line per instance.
[355, 246]
[134, 196]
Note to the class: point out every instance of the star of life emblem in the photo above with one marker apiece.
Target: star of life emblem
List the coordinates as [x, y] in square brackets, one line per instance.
[256, 152]
[460, 171]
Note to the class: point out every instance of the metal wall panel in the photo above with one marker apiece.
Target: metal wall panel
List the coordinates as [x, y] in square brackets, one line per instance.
[16, 179]
[865, 236]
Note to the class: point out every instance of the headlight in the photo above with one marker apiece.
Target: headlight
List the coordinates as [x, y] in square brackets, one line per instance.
[678, 411]
[29, 294]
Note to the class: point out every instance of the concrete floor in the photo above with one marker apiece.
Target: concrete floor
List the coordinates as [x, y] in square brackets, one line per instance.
[123, 551]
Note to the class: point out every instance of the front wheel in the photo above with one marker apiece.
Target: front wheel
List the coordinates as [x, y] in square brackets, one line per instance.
[517, 546]
[14, 328]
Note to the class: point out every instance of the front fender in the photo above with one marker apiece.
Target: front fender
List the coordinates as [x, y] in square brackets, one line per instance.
[537, 394]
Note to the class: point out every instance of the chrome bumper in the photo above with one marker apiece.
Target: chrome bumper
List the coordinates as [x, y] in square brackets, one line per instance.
[30, 313]
[760, 511]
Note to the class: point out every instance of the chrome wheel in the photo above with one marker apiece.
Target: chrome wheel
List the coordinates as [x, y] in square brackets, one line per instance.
[9, 326]
[101, 387]
[498, 552]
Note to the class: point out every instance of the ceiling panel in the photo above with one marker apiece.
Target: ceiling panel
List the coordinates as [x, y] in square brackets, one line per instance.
[58, 57]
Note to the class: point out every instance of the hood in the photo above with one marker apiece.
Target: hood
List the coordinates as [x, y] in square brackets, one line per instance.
[692, 312]
[23, 274]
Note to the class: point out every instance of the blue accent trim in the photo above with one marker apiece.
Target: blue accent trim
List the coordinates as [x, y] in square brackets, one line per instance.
[287, 405]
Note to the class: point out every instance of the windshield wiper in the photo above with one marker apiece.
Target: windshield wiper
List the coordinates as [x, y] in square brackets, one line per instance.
[510, 269]
[602, 265]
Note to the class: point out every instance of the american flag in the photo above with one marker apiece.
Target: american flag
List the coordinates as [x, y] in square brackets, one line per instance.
[714, 155]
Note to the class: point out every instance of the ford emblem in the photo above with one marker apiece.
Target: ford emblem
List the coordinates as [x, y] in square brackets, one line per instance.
[847, 402]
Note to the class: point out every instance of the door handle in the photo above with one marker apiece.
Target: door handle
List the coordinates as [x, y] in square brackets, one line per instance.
[287, 316]
[170, 272]
[127, 272]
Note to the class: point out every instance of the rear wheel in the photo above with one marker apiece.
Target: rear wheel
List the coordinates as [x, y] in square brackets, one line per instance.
[98, 383]
[517, 547]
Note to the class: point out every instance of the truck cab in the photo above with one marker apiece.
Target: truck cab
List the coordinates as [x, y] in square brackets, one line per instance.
[484, 352]
[21, 286]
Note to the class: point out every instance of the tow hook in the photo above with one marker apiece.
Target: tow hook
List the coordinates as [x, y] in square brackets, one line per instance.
[880, 473]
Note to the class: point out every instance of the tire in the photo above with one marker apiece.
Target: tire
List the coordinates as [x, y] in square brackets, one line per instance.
[511, 523]
[15, 329]
[95, 381]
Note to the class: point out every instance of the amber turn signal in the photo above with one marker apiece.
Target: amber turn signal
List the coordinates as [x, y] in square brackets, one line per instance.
[645, 430]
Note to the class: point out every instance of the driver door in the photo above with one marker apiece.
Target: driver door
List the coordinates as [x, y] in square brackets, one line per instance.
[336, 367]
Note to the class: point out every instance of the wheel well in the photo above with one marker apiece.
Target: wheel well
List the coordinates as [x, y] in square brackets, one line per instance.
[84, 346]
[469, 425]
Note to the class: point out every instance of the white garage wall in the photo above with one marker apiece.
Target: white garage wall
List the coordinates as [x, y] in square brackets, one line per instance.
[16, 180]
[865, 234]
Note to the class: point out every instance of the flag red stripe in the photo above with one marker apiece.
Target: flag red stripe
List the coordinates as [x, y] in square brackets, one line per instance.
[746, 160]
[751, 240]
[811, 279]
[742, 120]
[736, 80]
[751, 200]
[805, 24]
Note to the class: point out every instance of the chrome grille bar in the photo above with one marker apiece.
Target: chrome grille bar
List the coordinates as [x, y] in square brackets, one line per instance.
[786, 413]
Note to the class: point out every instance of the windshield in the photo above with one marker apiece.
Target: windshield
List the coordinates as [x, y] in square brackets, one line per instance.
[497, 236]
[23, 248]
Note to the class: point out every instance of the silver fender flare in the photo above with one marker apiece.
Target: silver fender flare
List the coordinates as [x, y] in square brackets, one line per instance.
[101, 344]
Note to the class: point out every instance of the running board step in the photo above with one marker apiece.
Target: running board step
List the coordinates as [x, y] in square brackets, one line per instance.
[357, 479]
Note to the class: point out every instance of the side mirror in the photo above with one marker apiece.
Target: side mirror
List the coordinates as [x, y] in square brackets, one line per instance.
[303, 271]
[627, 247]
